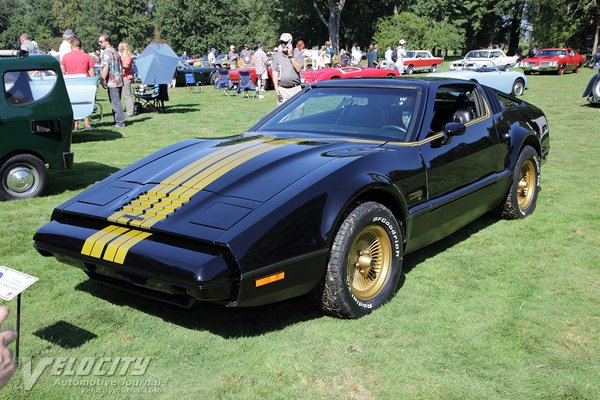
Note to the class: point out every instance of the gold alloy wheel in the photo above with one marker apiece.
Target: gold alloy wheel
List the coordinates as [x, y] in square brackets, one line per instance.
[369, 262]
[527, 185]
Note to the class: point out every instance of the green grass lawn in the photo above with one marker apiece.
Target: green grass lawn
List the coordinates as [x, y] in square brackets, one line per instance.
[500, 310]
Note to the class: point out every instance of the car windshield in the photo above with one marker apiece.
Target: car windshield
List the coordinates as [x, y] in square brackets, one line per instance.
[411, 54]
[478, 54]
[355, 111]
[550, 53]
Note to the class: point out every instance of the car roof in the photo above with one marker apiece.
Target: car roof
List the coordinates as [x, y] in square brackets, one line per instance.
[391, 82]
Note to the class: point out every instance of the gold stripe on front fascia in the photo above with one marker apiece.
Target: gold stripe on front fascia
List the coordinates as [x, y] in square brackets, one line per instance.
[89, 242]
[94, 245]
[118, 248]
[101, 242]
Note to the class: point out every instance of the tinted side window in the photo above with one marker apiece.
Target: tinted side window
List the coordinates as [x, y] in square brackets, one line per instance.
[26, 87]
[507, 102]
[455, 103]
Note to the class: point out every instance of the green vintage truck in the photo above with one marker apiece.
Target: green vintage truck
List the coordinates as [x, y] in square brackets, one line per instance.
[36, 123]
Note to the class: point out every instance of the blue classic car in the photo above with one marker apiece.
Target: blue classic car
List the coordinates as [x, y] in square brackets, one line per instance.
[511, 82]
[327, 193]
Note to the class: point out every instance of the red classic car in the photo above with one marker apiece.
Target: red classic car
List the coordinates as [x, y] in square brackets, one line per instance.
[421, 60]
[234, 75]
[557, 60]
[315, 75]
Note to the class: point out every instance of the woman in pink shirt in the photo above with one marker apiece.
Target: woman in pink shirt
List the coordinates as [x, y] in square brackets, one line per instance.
[127, 62]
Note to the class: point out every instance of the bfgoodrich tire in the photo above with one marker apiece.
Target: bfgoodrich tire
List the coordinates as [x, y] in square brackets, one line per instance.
[365, 262]
[525, 186]
[22, 176]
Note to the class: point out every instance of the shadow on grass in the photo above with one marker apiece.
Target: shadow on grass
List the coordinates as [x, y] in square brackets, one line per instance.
[239, 322]
[98, 135]
[225, 322]
[412, 260]
[65, 335]
[80, 176]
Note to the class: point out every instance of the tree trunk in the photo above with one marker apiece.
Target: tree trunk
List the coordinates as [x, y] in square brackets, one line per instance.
[515, 27]
[333, 24]
[596, 36]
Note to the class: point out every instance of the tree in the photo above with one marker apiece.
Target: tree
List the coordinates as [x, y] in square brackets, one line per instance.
[333, 23]
[419, 32]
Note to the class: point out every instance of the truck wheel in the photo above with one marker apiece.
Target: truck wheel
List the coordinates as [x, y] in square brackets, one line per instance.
[365, 262]
[525, 186]
[23, 176]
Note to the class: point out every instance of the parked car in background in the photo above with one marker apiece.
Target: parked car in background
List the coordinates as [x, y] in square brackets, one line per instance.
[36, 123]
[485, 58]
[557, 60]
[201, 71]
[311, 76]
[511, 82]
[328, 192]
[592, 91]
[421, 60]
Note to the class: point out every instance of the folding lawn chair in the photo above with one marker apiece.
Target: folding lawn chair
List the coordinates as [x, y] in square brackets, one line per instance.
[224, 83]
[192, 84]
[152, 97]
[246, 85]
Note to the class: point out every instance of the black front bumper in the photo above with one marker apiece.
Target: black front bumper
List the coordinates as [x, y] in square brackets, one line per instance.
[169, 269]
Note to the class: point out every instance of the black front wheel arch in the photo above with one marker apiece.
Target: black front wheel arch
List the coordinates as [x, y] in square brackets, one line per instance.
[365, 262]
[524, 187]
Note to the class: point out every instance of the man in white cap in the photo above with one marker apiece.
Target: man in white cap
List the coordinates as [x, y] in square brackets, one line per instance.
[287, 64]
[400, 54]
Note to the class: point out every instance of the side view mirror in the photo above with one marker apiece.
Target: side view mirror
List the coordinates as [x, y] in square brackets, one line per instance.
[454, 128]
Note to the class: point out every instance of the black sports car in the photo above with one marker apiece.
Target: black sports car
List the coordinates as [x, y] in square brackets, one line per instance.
[189, 74]
[592, 91]
[327, 192]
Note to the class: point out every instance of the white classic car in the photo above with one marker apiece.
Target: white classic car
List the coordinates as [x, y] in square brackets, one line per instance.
[484, 58]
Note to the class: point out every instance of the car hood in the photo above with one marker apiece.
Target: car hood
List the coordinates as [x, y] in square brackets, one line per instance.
[210, 184]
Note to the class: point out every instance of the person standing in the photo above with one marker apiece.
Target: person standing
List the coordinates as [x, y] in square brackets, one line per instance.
[260, 64]
[7, 363]
[400, 54]
[27, 44]
[372, 55]
[232, 57]
[212, 57]
[127, 63]
[65, 45]
[247, 55]
[389, 63]
[286, 67]
[112, 78]
[75, 62]
[329, 53]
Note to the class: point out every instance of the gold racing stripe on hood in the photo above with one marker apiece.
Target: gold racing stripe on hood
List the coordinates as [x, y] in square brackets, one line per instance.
[177, 189]
[113, 243]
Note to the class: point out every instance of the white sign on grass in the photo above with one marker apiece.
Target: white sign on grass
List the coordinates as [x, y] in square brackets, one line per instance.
[13, 282]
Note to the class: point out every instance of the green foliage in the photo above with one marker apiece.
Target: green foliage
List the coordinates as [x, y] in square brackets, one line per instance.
[558, 23]
[419, 32]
